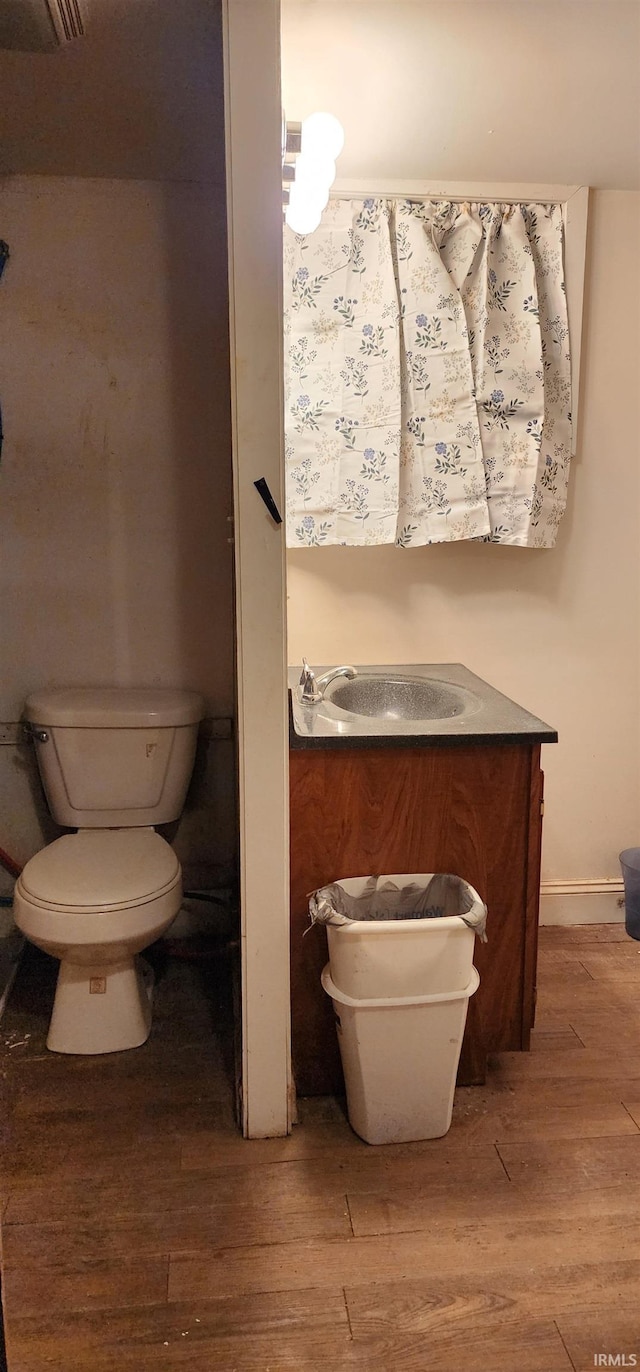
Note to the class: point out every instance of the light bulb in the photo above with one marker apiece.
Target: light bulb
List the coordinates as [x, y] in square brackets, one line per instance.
[309, 193]
[322, 135]
[302, 221]
[303, 211]
[321, 197]
[315, 170]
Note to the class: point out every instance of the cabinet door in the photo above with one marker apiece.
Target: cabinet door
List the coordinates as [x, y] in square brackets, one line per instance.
[466, 810]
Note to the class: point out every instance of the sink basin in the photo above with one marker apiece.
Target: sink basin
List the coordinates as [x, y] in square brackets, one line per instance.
[388, 704]
[400, 697]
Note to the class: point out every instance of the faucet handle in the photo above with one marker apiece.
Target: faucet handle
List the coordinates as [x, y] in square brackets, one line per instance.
[308, 689]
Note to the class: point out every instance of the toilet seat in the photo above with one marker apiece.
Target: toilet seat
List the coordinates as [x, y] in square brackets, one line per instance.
[100, 870]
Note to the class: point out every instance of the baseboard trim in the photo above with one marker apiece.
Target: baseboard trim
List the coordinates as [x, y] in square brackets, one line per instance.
[582, 902]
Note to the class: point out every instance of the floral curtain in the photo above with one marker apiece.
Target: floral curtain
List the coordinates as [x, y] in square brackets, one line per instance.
[427, 375]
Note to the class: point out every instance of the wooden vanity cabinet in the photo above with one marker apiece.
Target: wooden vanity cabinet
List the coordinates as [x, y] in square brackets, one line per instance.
[473, 810]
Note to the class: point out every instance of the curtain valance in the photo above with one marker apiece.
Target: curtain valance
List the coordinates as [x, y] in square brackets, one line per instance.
[427, 374]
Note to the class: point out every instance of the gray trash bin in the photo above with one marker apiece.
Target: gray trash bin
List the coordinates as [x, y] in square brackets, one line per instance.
[630, 864]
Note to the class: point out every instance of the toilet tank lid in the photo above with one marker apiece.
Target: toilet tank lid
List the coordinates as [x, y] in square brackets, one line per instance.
[114, 707]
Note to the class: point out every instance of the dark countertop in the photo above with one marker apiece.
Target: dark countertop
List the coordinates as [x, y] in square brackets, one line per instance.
[491, 718]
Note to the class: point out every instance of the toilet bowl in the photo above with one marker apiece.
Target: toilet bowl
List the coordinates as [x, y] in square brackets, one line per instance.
[97, 897]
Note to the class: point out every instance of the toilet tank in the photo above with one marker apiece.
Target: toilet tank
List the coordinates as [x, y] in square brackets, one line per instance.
[114, 757]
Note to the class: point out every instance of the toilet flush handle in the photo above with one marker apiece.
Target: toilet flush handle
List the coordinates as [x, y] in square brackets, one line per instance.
[32, 731]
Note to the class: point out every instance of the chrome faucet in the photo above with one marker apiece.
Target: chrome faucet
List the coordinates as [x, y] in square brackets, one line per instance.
[312, 688]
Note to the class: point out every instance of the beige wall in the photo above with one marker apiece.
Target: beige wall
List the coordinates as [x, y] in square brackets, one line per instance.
[140, 96]
[558, 630]
[116, 478]
[482, 90]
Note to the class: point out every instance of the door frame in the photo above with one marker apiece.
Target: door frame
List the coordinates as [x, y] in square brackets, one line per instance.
[253, 136]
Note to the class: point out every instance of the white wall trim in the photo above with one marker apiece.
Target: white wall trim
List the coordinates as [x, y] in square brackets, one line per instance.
[254, 203]
[582, 902]
[455, 190]
[576, 212]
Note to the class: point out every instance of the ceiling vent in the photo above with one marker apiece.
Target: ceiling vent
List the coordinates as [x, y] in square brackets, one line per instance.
[39, 25]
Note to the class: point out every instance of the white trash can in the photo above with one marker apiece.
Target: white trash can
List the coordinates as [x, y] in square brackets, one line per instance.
[400, 975]
[380, 946]
[400, 1057]
[392, 957]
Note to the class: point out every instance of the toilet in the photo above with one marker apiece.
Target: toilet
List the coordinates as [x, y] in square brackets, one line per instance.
[114, 763]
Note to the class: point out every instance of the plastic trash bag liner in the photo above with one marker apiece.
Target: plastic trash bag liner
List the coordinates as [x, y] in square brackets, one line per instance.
[431, 897]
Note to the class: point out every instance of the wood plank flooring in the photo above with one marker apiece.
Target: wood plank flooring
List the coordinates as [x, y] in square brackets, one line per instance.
[141, 1232]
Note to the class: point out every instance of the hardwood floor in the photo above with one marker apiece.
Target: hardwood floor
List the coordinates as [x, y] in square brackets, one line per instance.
[141, 1232]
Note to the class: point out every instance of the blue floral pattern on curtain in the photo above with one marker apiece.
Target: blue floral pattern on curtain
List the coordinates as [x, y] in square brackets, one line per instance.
[427, 375]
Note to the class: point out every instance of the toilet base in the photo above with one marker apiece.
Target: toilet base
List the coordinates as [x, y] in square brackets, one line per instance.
[101, 1008]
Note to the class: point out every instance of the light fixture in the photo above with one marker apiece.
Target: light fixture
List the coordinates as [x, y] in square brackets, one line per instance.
[291, 137]
[309, 151]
